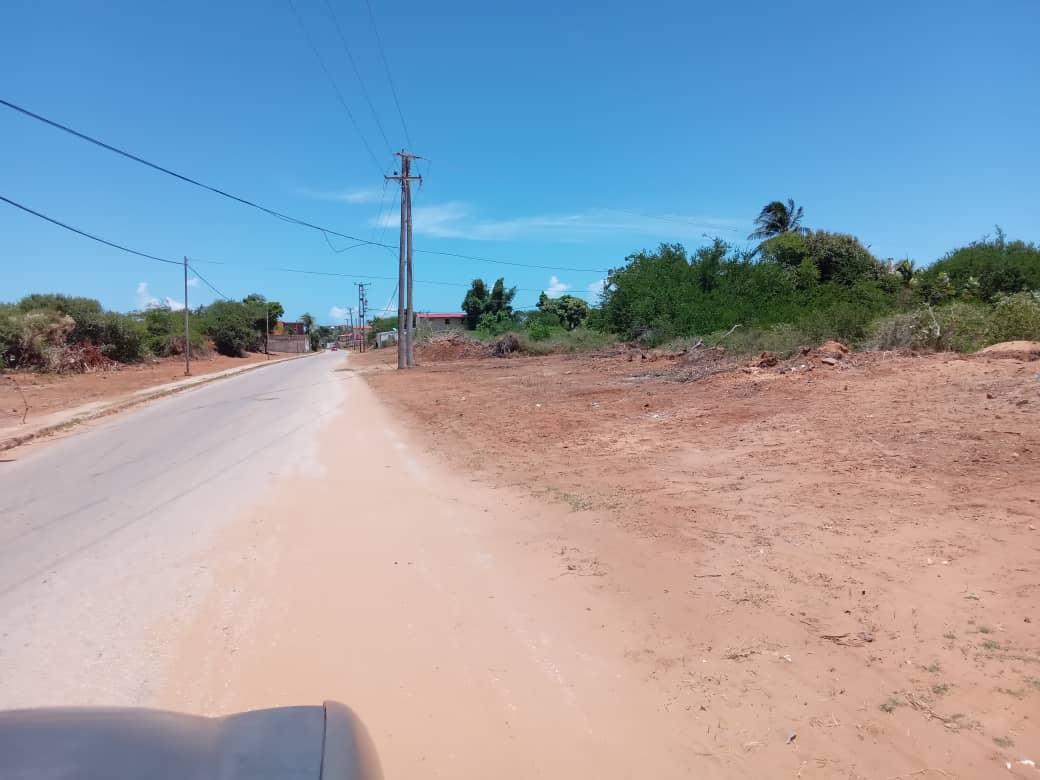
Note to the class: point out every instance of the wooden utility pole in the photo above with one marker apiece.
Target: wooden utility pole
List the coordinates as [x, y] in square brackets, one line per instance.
[187, 335]
[405, 312]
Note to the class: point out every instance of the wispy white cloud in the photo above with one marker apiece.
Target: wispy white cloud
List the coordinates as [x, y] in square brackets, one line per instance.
[556, 287]
[193, 282]
[145, 299]
[597, 286]
[455, 219]
[353, 196]
[338, 314]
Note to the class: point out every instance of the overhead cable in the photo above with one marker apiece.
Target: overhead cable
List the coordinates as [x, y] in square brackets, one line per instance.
[274, 212]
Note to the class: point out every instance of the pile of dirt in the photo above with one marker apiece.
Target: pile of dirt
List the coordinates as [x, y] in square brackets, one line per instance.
[1015, 350]
[452, 346]
[505, 346]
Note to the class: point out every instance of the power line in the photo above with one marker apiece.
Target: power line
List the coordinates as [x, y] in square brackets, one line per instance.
[676, 220]
[386, 65]
[361, 81]
[335, 86]
[202, 278]
[85, 234]
[309, 272]
[270, 211]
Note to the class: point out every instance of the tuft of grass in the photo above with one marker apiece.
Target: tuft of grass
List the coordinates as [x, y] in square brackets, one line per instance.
[557, 340]
[985, 630]
[782, 340]
[934, 667]
[990, 644]
[950, 635]
[941, 689]
[576, 502]
[889, 705]
[1004, 742]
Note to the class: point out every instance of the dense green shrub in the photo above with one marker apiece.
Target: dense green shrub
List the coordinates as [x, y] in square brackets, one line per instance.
[959, 326]
[118, 336]
[994, 266]
[231, 326]
[808, 281]
[1016, 317]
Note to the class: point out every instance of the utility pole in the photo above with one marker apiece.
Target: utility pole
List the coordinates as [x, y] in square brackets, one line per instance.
[362, 311]
[350, 315]
[187, 335]
[410, 349]
[405, 314]
[267, 330]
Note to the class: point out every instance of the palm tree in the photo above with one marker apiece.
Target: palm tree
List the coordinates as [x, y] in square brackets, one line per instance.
[308, 322]
[776, 218]
[906, 269]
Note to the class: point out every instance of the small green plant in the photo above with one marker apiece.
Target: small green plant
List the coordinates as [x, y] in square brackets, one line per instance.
[985, 629]
[941, 689]
[1004, 742]
[934, 667]
[989, 644]
[949, 635]
[889, 705]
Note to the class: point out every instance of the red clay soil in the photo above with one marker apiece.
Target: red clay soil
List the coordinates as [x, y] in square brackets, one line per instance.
[858, 538]
[48, 393]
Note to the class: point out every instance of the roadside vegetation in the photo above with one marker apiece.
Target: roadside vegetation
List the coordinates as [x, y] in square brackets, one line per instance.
[55, 332]
[794, 287]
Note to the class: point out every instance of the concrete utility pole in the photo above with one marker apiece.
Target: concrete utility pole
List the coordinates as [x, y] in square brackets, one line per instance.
[362, 311]
[410, 348]
[405, 312]
[187, 335]
[267, 329]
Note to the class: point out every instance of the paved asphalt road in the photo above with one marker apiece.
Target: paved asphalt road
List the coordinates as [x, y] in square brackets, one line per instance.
[97, 528]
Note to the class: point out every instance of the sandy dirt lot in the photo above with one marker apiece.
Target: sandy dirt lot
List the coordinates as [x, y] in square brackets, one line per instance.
[48, 393]
[848, 572]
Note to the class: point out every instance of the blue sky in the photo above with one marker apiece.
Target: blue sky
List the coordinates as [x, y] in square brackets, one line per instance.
[558, 134]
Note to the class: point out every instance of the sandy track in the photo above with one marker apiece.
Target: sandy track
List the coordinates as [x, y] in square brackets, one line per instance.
[461, 621]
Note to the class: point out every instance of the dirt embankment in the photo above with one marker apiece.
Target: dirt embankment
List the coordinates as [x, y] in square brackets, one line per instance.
[860, 536]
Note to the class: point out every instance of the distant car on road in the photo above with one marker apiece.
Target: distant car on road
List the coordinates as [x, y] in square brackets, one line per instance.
[334, 347]
[323, 742]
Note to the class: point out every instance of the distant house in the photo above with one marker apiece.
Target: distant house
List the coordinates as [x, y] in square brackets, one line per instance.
[352, 337]
[440, 321]
[282, 328]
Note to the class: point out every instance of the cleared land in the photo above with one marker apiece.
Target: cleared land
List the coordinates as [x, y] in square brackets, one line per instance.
[848, 579]
[49, 393]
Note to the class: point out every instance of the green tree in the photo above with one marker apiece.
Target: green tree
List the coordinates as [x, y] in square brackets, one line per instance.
[570, 311]
[262, 314]
[475, 303]
[777, 218]
[307, 320]
[232, 326]
[479, 301]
